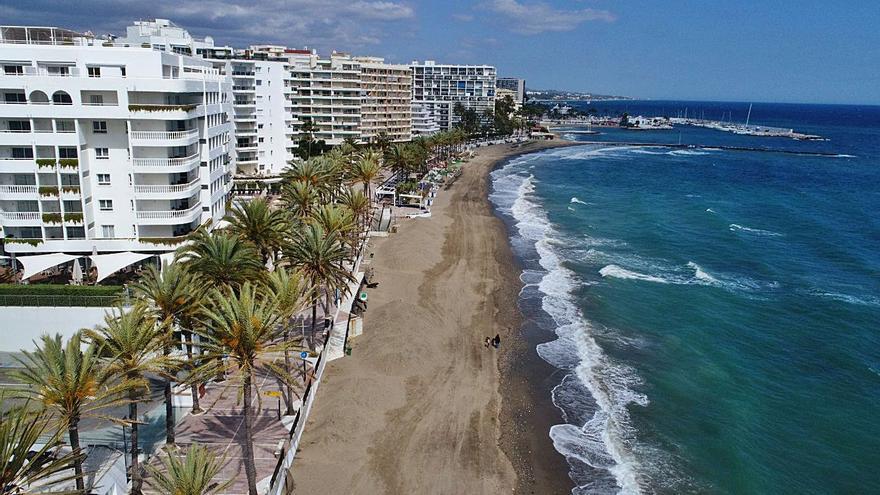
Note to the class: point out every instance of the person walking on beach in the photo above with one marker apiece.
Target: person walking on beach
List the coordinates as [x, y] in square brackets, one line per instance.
[496, 342]
[488, 342]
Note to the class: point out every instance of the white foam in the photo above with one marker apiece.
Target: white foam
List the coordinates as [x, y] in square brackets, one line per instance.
[602, 440]
[687, 153]
[848, 298]
[768, 233]
[575, 200]
[700, 274]
[619, 272]
[710, 210]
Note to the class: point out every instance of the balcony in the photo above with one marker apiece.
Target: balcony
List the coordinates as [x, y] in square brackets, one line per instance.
[172, 217]
[177, 191]
[165, 165]
[21, 218]
[164, 138]
[17, 192]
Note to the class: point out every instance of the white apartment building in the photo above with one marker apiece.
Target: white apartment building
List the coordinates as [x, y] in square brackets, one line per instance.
[386, 107]
[326, 93]
[108, 146]
[424, 122]
[439, 87]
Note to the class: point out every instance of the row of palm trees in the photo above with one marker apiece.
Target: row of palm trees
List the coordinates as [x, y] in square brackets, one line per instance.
[225, 307]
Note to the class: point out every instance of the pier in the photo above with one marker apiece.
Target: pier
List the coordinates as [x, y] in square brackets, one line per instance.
[719, 148]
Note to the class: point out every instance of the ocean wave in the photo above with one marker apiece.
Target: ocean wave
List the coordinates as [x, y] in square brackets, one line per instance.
[710, 210]
[700, 274]
[601, 441]
[872, 301]
[619, 272]
[739, 228]
[575, 200]
[686, 153]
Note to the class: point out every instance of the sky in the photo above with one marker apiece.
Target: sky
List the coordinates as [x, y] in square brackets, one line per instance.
[734, 50]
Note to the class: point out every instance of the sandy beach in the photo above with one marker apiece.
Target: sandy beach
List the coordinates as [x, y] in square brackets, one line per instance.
[421, 406]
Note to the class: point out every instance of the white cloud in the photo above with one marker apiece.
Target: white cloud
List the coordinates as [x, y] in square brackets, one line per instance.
[536, 18]
[463, 17]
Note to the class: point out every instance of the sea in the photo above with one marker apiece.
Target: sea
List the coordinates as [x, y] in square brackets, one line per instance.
[714, 315]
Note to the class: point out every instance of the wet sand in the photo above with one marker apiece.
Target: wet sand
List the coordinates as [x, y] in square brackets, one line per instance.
[422, 406]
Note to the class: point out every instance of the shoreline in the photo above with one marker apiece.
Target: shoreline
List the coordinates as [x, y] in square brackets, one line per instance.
[421, 405]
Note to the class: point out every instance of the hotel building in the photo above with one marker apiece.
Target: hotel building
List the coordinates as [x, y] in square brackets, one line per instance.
[108, 146]
[386, 105]
[438, 87]
[514, 87]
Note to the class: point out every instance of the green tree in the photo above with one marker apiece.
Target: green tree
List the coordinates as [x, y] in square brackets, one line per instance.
[300, 199]
[131, 343]
[173, 296]
[256, 223]
[243, 326]
[320, 257]
[192, 475]
[218, 258]
[69, 382]
[30, 454]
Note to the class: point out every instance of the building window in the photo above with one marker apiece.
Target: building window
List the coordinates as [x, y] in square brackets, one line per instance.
[67, 152]
[108, 231]
[12, 70]
[105, 204]
[122, 70]
[22, 153]
[20, 125]
[102, 153]
[103, 179]
[94, 72]
[259, 82]
[99, 126]
[96, 99]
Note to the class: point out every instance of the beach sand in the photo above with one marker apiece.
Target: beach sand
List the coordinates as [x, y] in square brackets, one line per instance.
[421, 406]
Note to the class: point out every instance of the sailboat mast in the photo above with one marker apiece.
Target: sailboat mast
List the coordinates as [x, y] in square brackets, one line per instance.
[749, 116]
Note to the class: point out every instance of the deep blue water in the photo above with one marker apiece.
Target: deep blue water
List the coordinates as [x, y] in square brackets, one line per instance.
[717, 312]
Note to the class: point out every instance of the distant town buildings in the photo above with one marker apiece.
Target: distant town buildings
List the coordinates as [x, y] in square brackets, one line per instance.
[439, 87]
[512, 86]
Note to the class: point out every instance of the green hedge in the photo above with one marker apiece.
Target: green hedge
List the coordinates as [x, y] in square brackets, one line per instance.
[60, 290]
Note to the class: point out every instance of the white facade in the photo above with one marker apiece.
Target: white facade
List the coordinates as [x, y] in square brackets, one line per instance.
[439, 87]
[106, 147]
[386, 107]
[424, 122]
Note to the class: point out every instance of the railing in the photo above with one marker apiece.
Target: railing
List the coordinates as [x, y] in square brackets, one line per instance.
[165, 162]
[164, 189]
[60, 301]
[168, 215]
[164, 134]
[21, 215]
[101, 104]
[18, 189]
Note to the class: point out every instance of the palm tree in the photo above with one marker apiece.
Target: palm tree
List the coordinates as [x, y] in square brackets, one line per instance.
[367, 169]
[193, 475]
[68, 382]
[173, 297]
[319, 256]
[29, 461]
[221, 259]
[244, 327]
[397, 157]
[299, 198]
[257, 223]
[132, 343]
[292, 292]
[359, 206]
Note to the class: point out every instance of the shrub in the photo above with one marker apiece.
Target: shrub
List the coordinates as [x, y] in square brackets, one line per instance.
[60, 290]
[160, 108]
[164, 241]
[73, 217]
[70, 189]
[51, 217]
[32, 242]
[48, 190]
[69, 163]
[45, 162]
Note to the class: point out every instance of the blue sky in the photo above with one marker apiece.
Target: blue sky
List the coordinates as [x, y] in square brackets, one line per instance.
[749, 50]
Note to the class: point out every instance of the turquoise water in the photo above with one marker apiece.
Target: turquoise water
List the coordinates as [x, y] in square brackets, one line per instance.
[716, 313]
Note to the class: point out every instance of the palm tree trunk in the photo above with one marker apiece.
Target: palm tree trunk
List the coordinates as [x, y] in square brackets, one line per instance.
[196, 407]
[169, 407]
[249, 468]
[314, 316]
[288, 396]
[73, 433]
[135, 467]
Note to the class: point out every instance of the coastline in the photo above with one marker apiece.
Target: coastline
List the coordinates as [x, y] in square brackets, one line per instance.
[421, 405]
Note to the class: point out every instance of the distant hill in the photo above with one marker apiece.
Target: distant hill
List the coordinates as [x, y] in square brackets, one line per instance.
[559, 95]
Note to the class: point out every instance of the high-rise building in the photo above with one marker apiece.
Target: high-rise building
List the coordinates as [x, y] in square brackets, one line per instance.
[386, 106]
[424, 122]
[325, 96]
[515, 85]
[108, 146]
[439, 87]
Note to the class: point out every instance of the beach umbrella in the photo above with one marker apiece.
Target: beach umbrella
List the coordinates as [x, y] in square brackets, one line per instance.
[77, 272]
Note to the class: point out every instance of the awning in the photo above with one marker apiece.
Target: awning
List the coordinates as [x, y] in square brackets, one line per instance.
[167, 258]
[36, 264]
[108, 264]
